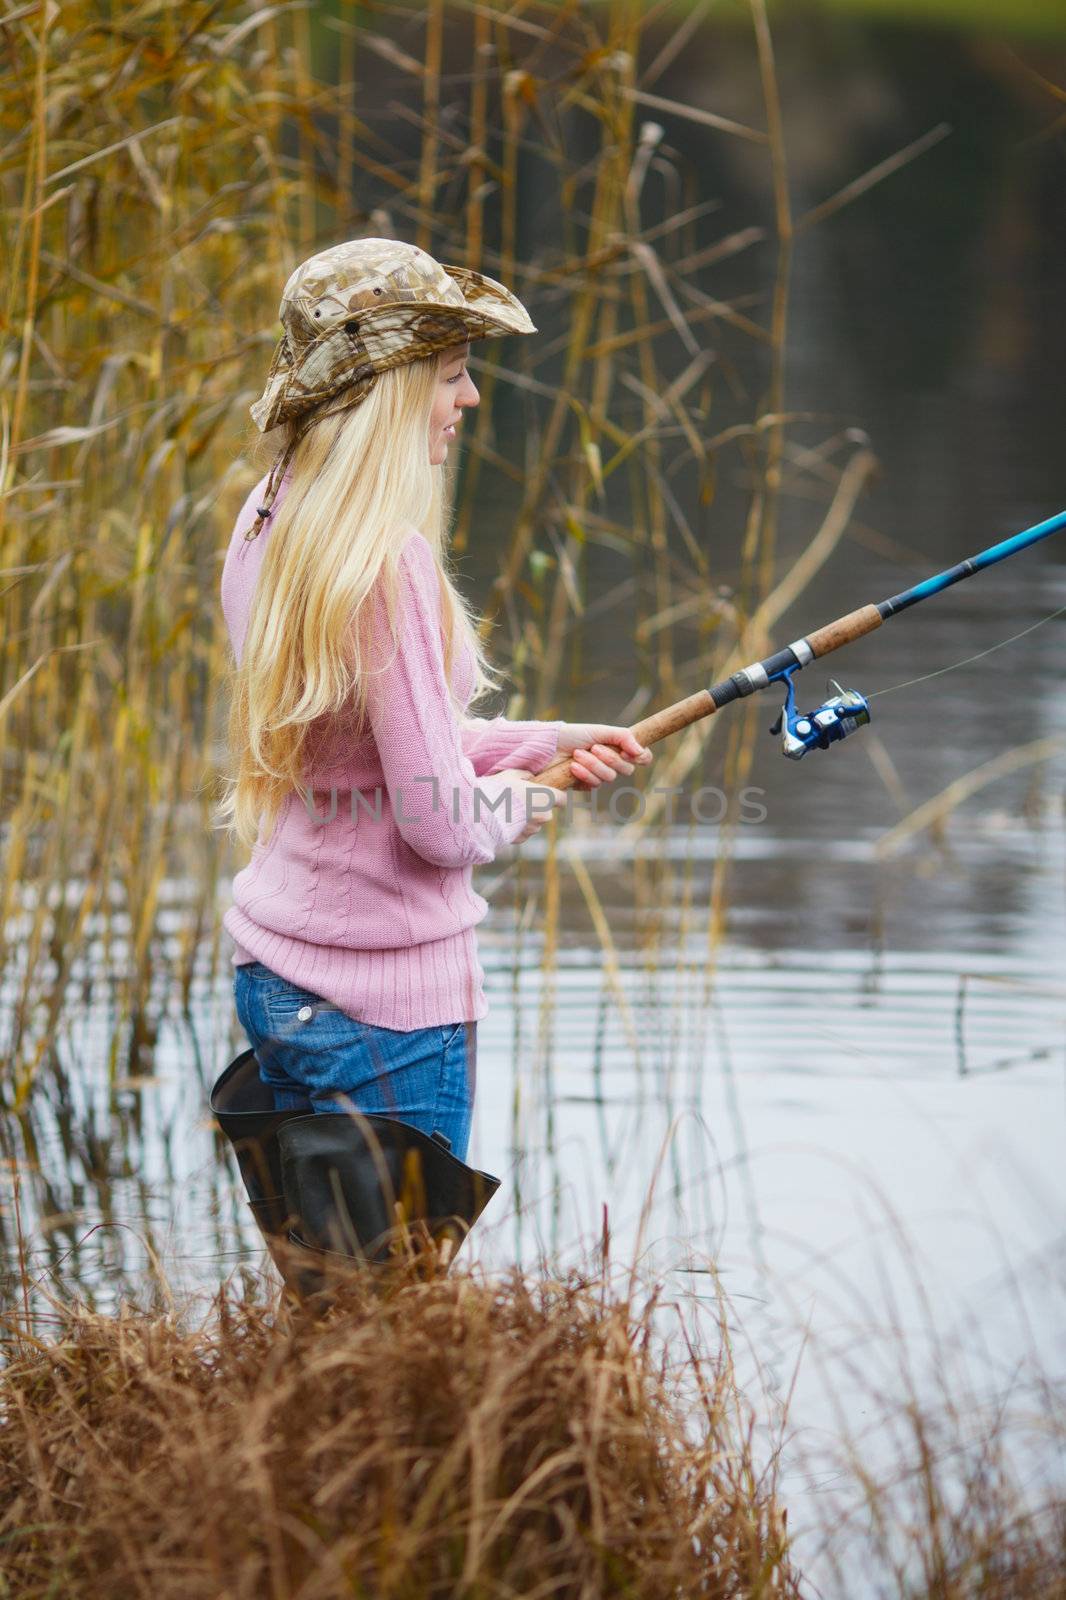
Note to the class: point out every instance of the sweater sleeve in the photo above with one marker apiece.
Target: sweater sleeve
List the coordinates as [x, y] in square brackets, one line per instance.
[498, 742]
[441, 808]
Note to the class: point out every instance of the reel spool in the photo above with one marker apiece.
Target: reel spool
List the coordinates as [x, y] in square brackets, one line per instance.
[842, 714]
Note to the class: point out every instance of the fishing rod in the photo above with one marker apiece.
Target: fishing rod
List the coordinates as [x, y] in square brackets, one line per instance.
[845, 712]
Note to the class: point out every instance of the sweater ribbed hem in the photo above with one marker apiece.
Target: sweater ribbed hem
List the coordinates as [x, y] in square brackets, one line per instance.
[418, 986]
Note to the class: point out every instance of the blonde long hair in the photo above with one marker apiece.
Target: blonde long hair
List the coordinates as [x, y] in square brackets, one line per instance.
[359, 480]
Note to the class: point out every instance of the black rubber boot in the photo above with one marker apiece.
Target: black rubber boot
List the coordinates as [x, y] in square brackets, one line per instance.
[373, 1189]
[330, 1191]
[243, 1106]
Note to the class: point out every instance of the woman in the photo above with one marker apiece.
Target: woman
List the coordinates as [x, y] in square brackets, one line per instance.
[367, 793]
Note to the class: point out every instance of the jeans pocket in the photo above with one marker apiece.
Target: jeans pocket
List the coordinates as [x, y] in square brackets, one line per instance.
[290, 1008]
[450, 1032]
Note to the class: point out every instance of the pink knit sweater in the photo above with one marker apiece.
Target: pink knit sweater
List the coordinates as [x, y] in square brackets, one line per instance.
[370, 902]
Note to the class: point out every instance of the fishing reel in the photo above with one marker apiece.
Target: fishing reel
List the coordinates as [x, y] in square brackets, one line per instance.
[844, 713]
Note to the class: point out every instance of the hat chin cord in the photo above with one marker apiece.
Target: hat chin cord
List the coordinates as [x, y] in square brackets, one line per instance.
[277, 471]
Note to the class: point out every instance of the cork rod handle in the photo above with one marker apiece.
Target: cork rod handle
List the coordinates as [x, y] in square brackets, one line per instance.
[649, 731]
[844, 630]
[671, 720]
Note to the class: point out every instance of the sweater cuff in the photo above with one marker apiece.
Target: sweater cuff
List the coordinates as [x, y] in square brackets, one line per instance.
[495, 745]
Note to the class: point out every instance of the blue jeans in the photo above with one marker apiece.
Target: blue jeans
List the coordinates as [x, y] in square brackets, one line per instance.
[317, 1058]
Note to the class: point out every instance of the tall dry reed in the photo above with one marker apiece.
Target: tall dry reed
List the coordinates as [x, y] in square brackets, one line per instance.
[161, 176]
[454, 1438]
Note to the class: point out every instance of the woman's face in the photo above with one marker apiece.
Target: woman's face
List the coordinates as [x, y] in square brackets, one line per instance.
[455, 391]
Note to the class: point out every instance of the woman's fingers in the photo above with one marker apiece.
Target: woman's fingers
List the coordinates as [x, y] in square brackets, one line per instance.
[601, 763]
[612, 759]
[591, 765]
[628, 743]
[537, 815]
[618, 758]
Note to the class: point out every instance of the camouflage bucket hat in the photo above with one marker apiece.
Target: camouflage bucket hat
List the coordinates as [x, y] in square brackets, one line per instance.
[358, 309]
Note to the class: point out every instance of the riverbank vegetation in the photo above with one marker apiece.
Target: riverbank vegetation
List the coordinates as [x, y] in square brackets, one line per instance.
[525, 1435]
[452, 1438]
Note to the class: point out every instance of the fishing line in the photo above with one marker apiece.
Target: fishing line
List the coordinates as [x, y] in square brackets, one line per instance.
[846, 710]
[940, 671]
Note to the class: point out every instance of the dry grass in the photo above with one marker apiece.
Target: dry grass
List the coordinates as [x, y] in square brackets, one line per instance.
[520, 1437]
[453, 1438]
[966, 1512]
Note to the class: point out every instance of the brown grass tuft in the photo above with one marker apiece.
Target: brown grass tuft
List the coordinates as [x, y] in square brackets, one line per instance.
[457, 1437]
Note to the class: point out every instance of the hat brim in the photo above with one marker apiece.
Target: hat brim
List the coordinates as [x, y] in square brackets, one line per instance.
[486, 296]
[386, 336]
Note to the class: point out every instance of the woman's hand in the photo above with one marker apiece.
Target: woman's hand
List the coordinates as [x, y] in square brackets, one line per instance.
[538, 809]
[599, 751]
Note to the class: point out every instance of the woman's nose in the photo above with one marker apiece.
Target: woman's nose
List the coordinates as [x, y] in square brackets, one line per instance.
[470, 396]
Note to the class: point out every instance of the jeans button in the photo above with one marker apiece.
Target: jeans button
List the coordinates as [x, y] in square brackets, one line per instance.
[305, 1013]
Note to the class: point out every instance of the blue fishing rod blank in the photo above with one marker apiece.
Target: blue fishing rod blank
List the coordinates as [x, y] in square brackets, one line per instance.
[847, 710]
[966, 569]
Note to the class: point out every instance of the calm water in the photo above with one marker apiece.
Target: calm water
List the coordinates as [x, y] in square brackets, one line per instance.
[857, 1113]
